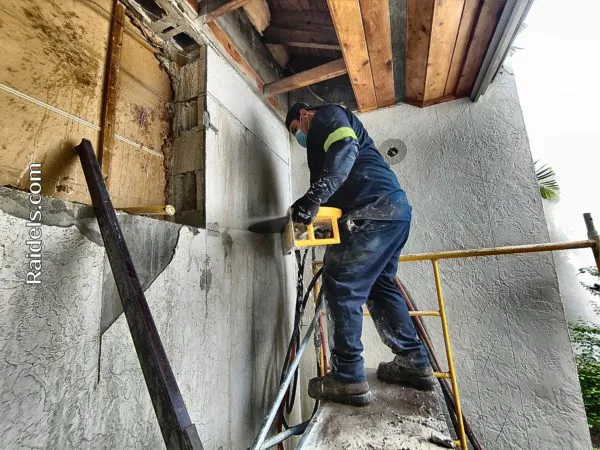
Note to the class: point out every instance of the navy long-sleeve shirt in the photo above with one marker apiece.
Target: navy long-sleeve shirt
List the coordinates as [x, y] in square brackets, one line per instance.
[348, 172]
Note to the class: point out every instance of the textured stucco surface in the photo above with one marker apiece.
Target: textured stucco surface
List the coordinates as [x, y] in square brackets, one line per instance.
[221, 306]
[470, 178]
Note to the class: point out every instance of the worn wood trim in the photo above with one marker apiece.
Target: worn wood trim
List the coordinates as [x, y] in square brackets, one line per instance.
[467, 23]
[324, 72]
[419, 16]
[109, 101]
[482, 35]
[376, 21]
[212, 9]
[347, 20]
[444, 32]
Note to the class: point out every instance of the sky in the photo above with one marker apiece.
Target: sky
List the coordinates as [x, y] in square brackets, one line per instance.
[558, 80]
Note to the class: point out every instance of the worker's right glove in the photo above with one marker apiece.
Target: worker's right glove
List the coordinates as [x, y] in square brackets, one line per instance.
[304, 210]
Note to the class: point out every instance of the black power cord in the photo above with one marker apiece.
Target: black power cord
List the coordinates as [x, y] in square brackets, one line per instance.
[302, 297]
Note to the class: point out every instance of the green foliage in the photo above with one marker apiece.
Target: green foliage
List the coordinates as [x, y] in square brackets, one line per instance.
[547, 181]
[586, 340]
[593, 271]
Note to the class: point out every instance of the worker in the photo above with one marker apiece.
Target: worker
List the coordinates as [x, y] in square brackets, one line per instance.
[347, 172]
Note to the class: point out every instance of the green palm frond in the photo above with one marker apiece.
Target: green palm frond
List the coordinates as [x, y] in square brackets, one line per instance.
[546, 178]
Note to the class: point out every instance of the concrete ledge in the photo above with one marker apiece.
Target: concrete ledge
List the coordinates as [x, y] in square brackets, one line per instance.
[400, 418]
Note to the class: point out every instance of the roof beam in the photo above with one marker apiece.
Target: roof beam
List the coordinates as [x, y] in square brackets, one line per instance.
[444, 33]
[324, 72]
[482, 35]
[320, 39]
[212, 9]
[299, 19]
[376, 20]
[419, 15]
[348, 23]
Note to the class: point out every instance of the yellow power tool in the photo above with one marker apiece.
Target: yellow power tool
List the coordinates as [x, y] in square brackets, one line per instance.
[323, 231]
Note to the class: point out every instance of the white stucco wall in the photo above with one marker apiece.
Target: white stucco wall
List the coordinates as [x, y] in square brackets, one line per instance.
[470, 178]
[222, 306]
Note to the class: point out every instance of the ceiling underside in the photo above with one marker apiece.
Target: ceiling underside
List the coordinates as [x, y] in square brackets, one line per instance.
[366, 53]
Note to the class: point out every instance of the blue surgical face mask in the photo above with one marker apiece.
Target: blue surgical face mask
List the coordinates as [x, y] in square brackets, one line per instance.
[301, 138]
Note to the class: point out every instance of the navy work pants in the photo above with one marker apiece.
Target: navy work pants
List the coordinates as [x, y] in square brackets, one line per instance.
[361, 269]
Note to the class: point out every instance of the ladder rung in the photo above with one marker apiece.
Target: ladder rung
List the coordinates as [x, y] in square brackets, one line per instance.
[457, 444]
[441, 374]
[424, 313]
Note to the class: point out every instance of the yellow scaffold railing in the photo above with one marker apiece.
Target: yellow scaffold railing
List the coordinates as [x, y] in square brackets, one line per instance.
[592, 242]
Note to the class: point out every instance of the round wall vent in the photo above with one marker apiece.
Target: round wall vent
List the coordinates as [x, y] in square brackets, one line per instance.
[393, 151]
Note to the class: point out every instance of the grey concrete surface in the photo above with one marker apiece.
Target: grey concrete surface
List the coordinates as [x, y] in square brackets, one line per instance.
[400, 418]
[221, 304]
[470, 178]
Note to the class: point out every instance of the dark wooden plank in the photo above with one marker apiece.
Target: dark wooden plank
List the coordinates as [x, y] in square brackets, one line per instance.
[484, 30]
[376, 22]
[212, 9]
[324, 72]
[347, 19]
[419, 15]
[444, 31]
[109, 101]
[302, 38]
[296, 19]
[467, 23]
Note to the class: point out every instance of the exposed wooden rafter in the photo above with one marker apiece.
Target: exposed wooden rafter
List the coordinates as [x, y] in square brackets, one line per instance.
[445, 46]
[212, 9]
[322, 39]
[348, 23]
[376, 21]
[484, 29]
[324, 72]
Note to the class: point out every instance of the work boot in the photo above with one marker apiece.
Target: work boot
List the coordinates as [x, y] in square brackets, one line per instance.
[403, 371]
[328, 388]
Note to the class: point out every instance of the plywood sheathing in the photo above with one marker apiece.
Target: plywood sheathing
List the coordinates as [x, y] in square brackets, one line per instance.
[55, 52]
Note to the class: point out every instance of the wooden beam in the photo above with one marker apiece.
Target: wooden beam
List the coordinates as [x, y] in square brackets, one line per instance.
[376, 21]
[347, 20]
[336, 48]
[212, 9]
[467, 22]
[325, 72]
[484, 30]
[419, 17]
[444, 32]
[239, 39]
[302, 38]
[296, 19]
[109, 101]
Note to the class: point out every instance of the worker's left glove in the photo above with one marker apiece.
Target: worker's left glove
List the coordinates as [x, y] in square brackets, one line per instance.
[304, 210]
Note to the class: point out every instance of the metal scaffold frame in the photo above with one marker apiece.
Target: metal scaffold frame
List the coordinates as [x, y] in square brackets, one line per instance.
[593, 242]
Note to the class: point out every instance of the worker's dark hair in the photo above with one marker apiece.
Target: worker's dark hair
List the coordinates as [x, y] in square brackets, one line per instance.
[294, 112]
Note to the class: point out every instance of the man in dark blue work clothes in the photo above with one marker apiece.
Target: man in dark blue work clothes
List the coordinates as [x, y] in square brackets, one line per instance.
[347, 172]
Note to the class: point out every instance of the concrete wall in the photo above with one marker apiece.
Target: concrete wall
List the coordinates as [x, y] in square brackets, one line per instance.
[470, 178]
[221, 303]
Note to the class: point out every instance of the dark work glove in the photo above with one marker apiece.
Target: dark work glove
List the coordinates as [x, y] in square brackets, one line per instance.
[304, 210]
